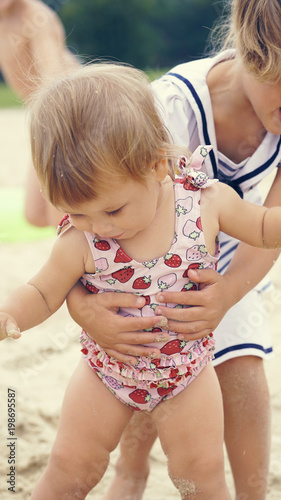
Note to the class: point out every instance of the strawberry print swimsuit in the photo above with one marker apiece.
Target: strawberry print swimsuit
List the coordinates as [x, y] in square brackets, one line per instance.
[151, 381]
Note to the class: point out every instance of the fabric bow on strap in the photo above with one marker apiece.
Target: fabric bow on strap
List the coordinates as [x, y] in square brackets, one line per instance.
[186, 166]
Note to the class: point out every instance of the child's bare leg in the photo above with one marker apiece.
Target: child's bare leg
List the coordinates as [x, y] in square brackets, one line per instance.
[38, 211]
[190, 427]
[91, 423]
[132, 467]
[247, 424]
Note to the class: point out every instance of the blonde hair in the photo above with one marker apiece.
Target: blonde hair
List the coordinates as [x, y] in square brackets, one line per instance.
[253, 30]
[95, 123]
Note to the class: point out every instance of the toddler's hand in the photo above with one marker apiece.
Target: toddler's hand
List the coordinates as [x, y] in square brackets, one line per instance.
[8, 327]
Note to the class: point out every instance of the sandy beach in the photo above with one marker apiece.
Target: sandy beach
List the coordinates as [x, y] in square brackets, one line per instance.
[36, 368]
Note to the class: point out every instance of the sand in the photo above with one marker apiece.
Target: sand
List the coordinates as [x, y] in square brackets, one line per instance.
[39, 366]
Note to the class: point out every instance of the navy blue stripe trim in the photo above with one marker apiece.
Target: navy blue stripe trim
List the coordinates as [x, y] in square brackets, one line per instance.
[230, 249]
[228, 167]
[222, 268]
[265, 287]
[223, 243]
[263, 167]
[222, 265]
[243, 346]
[204, 121]
[245, 177]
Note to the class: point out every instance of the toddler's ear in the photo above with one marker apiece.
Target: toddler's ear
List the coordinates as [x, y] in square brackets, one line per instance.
[161, 169]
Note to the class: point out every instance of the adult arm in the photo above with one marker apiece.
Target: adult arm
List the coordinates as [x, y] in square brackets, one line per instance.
[50, 55]
[33, 47]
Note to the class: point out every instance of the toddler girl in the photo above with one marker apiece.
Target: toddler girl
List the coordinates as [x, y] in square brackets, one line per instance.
[103, 156]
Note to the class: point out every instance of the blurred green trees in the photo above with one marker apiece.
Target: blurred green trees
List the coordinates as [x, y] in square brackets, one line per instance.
[145, 33]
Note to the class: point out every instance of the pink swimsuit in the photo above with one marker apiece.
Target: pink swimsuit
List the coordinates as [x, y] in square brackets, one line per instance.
[144, 385]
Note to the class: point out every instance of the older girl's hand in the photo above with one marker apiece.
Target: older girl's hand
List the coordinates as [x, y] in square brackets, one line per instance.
[121, 337]
[209, 305]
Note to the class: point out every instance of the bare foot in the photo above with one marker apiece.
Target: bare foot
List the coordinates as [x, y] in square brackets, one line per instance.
[127, 485]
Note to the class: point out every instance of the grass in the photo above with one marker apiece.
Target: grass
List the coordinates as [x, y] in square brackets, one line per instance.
[7, 98]
[13, 225]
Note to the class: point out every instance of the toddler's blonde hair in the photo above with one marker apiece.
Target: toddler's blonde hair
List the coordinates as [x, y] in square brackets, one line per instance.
[95, 123]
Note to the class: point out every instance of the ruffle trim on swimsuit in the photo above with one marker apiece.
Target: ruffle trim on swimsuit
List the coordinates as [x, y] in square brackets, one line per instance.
[162, 371]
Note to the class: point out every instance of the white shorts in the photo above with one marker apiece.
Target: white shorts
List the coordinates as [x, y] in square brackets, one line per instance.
[244, 330]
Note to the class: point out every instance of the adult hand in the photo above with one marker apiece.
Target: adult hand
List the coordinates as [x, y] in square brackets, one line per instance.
[209, 305]
[119, 336]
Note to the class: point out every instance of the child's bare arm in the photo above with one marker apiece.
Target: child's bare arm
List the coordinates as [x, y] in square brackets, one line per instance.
[255, 225]
[23, 309]
[34, 302]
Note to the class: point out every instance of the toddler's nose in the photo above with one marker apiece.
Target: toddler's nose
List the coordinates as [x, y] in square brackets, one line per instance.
[101, 229]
